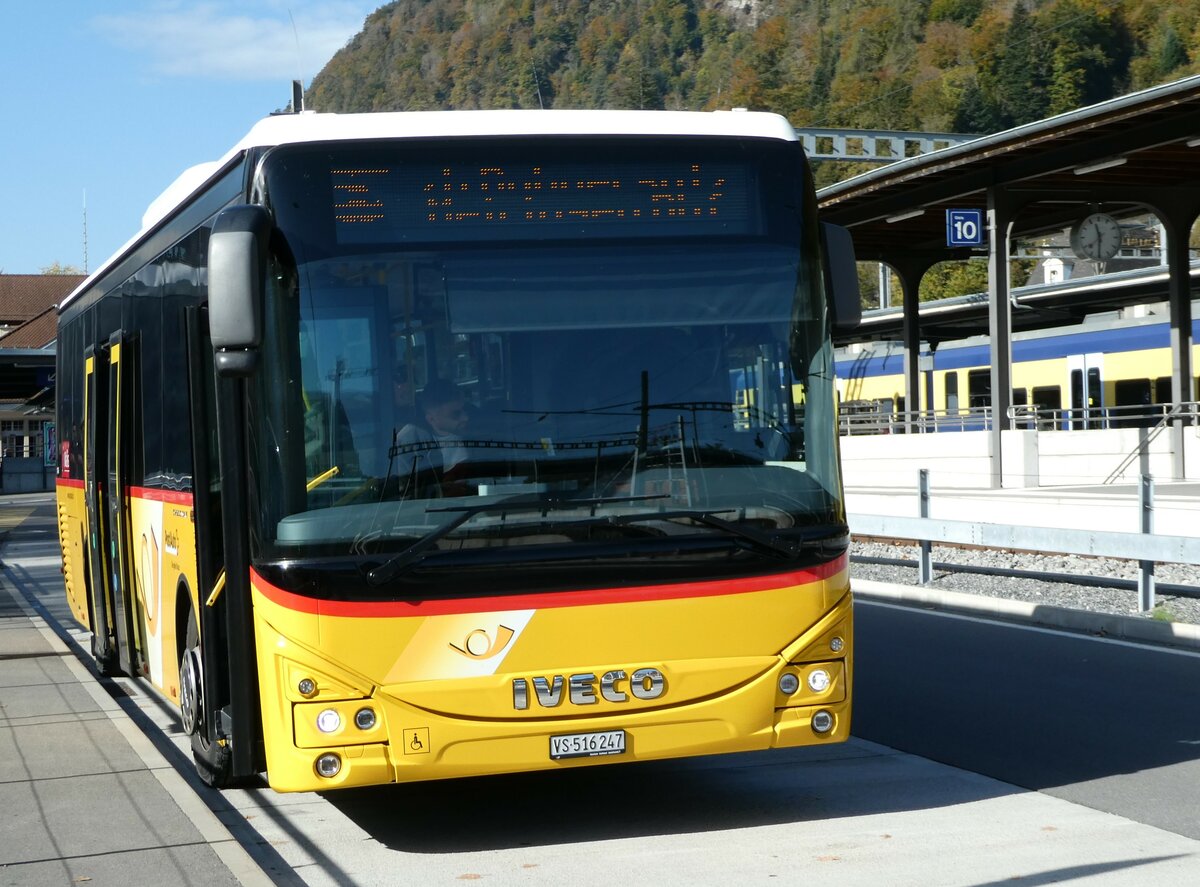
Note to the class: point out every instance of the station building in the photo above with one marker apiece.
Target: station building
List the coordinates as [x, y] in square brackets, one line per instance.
[28, 330]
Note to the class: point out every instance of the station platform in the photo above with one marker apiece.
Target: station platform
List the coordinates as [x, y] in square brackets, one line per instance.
[85, 797]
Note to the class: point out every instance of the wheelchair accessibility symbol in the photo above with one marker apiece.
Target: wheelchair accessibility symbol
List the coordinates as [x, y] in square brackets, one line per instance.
[416, 741]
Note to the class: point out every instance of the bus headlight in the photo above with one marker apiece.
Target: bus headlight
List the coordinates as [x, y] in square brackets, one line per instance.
[329, 721]
[788, 683]
[329, 765]
[819, 680]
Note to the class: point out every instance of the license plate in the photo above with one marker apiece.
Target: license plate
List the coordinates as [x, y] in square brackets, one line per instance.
[587, 745]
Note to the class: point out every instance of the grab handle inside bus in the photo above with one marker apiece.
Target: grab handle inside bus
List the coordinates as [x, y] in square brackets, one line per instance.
[237, 260]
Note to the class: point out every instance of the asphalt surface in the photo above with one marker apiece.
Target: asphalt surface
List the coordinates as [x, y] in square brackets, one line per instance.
[1111, 725]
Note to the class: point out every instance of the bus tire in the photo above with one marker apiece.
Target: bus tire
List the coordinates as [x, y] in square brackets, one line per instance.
[214, 760]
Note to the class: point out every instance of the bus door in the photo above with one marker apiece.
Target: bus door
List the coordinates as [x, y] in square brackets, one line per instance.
[95, 459]
[206, 493]
[1087, 391]
[119, 451]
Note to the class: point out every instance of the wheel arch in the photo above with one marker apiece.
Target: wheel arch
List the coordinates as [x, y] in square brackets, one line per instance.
[185, 605]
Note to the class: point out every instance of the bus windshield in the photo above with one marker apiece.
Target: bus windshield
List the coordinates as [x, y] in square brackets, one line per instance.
[514, 352]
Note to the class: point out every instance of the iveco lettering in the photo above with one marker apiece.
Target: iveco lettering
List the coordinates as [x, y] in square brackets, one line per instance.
[612, 686]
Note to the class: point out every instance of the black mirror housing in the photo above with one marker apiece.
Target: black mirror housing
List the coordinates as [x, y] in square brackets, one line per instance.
[237, 261]
[841, 277]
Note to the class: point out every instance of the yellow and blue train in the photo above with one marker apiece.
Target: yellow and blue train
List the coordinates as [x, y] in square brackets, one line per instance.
[1109, 371]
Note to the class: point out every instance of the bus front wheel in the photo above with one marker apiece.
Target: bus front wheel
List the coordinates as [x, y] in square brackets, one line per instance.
[214, 760]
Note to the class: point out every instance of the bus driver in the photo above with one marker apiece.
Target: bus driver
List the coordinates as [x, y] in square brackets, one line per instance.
[434, 441]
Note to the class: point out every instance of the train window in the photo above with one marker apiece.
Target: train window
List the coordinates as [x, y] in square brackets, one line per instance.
[1162, 389]
[979, 388]
[1095, 392]
[1020, 398]
[952, 394]
[1048, 400]
[1095, 398]
[1048, 397]
[1133, 403]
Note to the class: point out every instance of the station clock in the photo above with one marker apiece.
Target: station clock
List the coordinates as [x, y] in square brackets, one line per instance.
[1097, 236]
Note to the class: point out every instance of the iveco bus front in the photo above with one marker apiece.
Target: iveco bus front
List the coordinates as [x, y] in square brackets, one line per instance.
[528, 447]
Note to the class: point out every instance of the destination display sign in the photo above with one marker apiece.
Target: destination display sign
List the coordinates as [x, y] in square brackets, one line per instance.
[436, 202]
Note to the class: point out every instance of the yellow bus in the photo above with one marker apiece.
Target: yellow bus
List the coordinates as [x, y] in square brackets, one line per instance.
[419, 445]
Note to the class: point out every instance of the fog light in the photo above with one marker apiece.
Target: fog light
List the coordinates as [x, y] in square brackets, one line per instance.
[788, 683]
[329, 721]
[307, 688]
[818, 680]
[329, 765]
[822, 722]
[364, 718]
[836, 645]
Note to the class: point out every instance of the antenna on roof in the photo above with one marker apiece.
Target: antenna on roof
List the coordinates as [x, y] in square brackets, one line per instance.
[298, 84]
[85, 257]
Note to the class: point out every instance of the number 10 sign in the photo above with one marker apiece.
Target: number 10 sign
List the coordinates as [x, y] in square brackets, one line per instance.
[964, 227]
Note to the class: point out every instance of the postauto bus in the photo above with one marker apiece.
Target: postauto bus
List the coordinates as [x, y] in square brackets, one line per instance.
[404, 446]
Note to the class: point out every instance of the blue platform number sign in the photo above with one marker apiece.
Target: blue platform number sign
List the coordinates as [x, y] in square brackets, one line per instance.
[964, 227]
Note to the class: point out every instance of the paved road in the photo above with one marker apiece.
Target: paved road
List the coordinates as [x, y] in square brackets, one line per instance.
[858, 814]
[1111, 725]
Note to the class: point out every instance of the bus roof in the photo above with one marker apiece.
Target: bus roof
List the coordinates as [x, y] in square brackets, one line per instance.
[286, 129]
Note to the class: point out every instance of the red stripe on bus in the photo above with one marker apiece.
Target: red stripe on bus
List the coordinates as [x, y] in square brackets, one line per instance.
[155, 494]
[591, 597]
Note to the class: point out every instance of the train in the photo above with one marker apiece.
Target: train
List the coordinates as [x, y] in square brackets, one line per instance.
[1112, 370]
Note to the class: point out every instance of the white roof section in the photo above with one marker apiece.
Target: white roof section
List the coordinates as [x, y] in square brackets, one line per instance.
[308, 127]
[292, 128]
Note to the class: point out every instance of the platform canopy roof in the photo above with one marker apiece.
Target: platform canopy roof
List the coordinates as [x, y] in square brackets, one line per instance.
[1128, 156]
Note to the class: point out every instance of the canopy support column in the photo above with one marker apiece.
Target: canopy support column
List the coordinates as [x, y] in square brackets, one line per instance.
[1000, 212]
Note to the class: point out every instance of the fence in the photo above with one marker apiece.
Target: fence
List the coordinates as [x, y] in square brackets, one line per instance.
[878, 417]
[1145, 547]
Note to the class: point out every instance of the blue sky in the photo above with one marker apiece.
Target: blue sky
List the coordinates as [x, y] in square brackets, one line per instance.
[115, 99]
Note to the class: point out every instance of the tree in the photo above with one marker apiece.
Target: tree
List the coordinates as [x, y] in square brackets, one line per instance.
[1089, 48]
[59, 268]
[1020, 87]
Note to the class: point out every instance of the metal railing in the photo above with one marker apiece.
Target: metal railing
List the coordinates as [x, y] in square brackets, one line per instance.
[866, 418]
[1147, 415]
[874, 417]
[1146, 547]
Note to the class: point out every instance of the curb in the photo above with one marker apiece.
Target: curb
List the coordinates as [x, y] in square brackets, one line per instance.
[1106, 625]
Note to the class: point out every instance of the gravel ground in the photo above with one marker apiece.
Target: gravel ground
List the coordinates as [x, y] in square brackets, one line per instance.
[1122, 601]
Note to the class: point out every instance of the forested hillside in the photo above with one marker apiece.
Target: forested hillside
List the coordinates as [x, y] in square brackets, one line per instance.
[935, 65]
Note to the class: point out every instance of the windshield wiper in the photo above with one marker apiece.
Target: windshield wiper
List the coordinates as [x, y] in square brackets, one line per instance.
[392, 567]
[756, 538]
